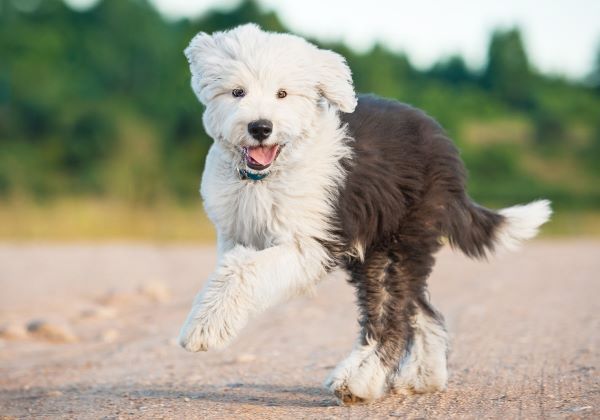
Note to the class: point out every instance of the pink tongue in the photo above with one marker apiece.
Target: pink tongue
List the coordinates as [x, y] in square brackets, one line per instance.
[264, 155]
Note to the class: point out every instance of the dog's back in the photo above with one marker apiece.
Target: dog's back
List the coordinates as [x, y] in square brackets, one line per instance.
[407, 179]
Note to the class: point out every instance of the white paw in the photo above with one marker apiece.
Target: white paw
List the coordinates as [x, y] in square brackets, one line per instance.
[220, 311]
[424, 368]
[204, 330]
[419, 379]
[360, 377]
[420, 373]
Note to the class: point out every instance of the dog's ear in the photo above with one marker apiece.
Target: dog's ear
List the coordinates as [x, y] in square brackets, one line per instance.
[195, 47]
[200, 53]
[335, 80]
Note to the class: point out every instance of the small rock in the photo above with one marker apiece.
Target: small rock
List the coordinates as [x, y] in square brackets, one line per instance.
[56, 333]
[99, 312]
[186, 399]
[13, 332]
[578, 409]
[110, 335]
[115, 298]
[54, 393]
[156, 291]
[245, 358]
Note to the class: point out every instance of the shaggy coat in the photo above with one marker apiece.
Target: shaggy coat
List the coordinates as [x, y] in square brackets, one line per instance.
[304, 177]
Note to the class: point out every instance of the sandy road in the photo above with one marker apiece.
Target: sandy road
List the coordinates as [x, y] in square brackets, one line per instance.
[525, 338]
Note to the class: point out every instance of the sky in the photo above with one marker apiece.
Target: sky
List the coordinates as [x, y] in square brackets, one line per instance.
[561, 36]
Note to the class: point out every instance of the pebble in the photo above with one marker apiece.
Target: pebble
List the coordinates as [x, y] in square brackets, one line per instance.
[13, 332]
[53, 332]
[109, 336]
[245, 358]
[115, 298]
[156, 291]
[99, 312]
[54, 393]
[578, 409]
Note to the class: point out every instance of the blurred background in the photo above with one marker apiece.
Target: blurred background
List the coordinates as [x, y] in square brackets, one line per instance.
[104, 243]
[101, 135]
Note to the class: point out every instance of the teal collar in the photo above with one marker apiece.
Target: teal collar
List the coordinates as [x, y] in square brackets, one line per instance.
[244, 174]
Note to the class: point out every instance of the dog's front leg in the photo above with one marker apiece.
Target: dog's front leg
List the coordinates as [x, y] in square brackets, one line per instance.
[245, 282]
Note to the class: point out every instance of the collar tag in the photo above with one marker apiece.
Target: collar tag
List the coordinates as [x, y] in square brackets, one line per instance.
[244, 174]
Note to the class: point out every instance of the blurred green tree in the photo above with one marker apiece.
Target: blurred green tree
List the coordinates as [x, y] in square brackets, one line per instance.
[98, 102]
[452, 70]
[508, 73]
[593, 78]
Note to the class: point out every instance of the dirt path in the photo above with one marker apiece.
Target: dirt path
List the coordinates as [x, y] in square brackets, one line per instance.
[525, 338]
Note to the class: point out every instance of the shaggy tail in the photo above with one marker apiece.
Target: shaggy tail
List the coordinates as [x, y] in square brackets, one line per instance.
[478, 231]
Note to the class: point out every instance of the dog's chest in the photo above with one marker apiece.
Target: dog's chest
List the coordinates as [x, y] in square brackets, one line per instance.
[257, 215]
[294, 203]
[260, 213]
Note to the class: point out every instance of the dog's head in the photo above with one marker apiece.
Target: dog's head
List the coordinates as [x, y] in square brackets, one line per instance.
[263, 91]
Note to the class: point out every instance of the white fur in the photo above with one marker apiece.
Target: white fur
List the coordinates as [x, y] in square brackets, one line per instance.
[361, 374]
[248, 281]
[424, 368]
[522, 223]
[270, 232]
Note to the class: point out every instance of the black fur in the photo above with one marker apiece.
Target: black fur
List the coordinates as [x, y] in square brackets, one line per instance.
[404, 192]
[406, 169]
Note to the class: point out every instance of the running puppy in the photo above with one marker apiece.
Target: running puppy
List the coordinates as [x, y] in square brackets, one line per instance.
[303, 176]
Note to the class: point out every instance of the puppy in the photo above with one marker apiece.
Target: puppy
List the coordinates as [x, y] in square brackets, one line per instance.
[303, 177]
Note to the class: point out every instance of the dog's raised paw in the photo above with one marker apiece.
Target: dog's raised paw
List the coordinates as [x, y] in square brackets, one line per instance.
[193, 338]
[202, 332]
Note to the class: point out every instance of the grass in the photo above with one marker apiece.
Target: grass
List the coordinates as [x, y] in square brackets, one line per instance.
[583, 223]
[103, 220]
[99, 220]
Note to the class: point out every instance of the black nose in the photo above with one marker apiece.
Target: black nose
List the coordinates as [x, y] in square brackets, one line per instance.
[260, 129]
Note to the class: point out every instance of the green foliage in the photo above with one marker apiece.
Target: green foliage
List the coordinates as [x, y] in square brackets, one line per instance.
[452, 70]
[507, 73]
[594, 77]
[98, 103]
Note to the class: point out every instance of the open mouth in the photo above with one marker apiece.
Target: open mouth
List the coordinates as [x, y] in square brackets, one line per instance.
[260, 157]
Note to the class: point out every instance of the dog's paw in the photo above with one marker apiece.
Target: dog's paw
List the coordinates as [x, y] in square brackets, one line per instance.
[424, 367]
[222, 309]
[420, 375]
[359, 378]
[204, 330]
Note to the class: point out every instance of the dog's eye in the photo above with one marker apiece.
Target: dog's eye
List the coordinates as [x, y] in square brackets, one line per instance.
[238, 92]
[281, 93]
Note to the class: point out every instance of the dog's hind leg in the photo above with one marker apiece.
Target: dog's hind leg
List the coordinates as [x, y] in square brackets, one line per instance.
[248, 281]
[423, 367]
[397, 338]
